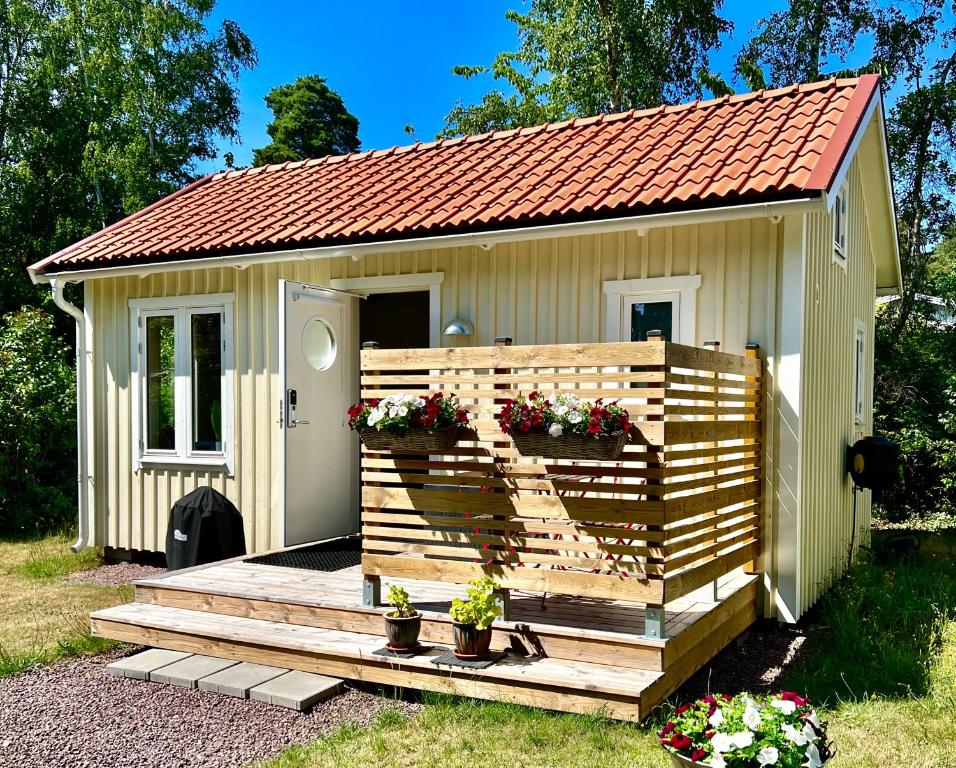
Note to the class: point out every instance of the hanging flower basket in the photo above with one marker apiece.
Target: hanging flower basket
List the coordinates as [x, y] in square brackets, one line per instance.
[409, 423]
[565, 427]
[746, 731]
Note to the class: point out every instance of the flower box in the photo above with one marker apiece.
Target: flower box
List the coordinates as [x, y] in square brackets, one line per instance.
[413, 441]
[573, 446]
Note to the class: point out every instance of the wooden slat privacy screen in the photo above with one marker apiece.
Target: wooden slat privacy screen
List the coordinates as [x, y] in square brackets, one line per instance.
[677, 509]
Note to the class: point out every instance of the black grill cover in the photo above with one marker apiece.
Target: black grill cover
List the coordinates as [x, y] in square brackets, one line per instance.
[204, 526]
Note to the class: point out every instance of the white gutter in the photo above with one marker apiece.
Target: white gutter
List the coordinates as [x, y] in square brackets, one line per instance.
[82, 458]
[481, 239]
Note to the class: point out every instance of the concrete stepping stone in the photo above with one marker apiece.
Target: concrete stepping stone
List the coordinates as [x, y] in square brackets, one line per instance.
[239, 680]
[297, 690]
[138, 666]
[189, 671]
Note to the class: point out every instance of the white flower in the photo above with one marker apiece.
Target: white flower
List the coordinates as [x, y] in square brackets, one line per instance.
[402, 411]
[787, 707]
[751, 716]
[813, 757]
[575, 417]
[561, 410]
[742, 739]
[717, 761]
[555, 430]
[721, 742]
[792, 734]
[812, 718]
[375, 416]
[768, 756]
[808, 733]
[716, 719]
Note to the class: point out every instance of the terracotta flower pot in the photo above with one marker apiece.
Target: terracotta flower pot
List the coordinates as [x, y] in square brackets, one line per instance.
[471, 643]
[402, 632]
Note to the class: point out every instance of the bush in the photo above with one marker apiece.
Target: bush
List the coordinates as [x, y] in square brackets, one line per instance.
[915, 405]
[37, 425]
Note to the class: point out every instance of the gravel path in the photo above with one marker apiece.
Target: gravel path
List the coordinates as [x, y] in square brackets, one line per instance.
[114, 575]
[72, 714]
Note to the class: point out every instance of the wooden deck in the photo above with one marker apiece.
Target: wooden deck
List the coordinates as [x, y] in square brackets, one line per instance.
[567, 653]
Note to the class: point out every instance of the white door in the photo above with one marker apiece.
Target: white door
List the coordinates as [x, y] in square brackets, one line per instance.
[318, 371]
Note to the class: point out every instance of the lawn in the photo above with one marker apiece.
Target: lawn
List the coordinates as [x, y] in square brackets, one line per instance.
[43, 616]
[880, 662]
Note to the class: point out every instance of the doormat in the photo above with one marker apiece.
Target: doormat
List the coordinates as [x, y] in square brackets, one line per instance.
[326, 556]
[451, 660]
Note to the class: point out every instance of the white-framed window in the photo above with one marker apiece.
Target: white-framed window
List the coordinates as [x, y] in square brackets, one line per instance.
[839, 227]
[182, 380]
[666, 304]
[859, 372]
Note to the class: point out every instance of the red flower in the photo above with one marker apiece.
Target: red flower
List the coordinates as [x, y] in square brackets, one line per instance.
[710, 735]
[525, 425]
[709, 699]
[594, 427]
[727, 697]
[682, 709]
[795, 698]
[679, 741]
[461, 416]
[697, 755]
[534, 395]
[667, 730]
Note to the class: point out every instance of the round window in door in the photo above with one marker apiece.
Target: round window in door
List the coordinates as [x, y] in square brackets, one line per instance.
[318, 344]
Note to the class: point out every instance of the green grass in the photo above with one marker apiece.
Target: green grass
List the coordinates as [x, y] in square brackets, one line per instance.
[880, 660]
[42, 616]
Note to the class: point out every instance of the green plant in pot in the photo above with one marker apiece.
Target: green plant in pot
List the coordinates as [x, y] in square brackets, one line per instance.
[402, 623]
[473, 619]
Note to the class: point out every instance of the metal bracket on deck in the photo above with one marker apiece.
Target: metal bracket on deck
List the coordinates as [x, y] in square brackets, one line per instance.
[371, 591]
[654, 622]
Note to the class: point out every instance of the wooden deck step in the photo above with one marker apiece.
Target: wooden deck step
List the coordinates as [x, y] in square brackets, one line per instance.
[558, 627]
[566, 685]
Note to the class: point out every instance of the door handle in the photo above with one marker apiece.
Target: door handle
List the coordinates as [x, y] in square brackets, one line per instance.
[291, 403]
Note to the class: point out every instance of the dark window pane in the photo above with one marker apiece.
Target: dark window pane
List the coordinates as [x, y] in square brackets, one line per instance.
[161, 383]
[652, 316]
[206, 365]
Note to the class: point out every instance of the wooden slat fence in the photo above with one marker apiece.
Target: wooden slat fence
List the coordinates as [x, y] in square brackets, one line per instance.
[679, 508]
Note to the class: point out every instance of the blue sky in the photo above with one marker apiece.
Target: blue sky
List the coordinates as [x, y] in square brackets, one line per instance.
[390, 61]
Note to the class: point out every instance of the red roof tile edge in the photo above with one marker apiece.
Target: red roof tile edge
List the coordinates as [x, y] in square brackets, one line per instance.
[822, 176]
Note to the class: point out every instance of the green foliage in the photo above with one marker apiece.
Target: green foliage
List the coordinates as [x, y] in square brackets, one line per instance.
[878, 632]
[37, 425]
[104, 107]
[481, 608]
[398, 598]
[310, 120]
[44, 563]
[585, 57]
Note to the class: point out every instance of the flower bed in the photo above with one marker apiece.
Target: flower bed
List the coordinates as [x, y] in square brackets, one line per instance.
[409, 423]
[565, 427]
[747, 732]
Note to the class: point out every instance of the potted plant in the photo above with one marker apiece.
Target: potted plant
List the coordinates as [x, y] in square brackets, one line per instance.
[565, 427]
[747, 731]
[473, 619]
[409, 423]
[402, 623]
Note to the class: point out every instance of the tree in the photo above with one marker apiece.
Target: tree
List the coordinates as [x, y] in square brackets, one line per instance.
[310, 120]
[105, 106]
[585, 57]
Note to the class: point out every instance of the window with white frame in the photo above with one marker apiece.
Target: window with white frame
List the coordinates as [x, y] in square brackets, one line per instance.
[182, 370]
[839, 227]
[859, 368]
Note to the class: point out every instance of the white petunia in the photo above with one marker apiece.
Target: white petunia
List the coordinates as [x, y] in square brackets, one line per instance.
[812, 718]
[722, 742]
[813, 757]
[751, 716]
[402, 411]
[375, 416]
[717, 761]
[742, 739]
[575, 417]
[808, 733]
[787, 707]
[792, 734]
[716, 719]
[561, 410]
[555, 430]
[768, 756]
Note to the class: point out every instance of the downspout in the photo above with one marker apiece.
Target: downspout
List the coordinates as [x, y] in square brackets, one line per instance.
[82, 459]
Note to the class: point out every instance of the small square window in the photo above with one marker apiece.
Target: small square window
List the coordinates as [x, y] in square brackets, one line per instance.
[839, 227]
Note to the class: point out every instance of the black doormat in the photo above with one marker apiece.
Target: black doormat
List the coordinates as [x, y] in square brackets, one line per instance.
[326, 556]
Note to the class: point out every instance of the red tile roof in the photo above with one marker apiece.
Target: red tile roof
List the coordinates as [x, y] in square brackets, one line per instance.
[769, 145]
